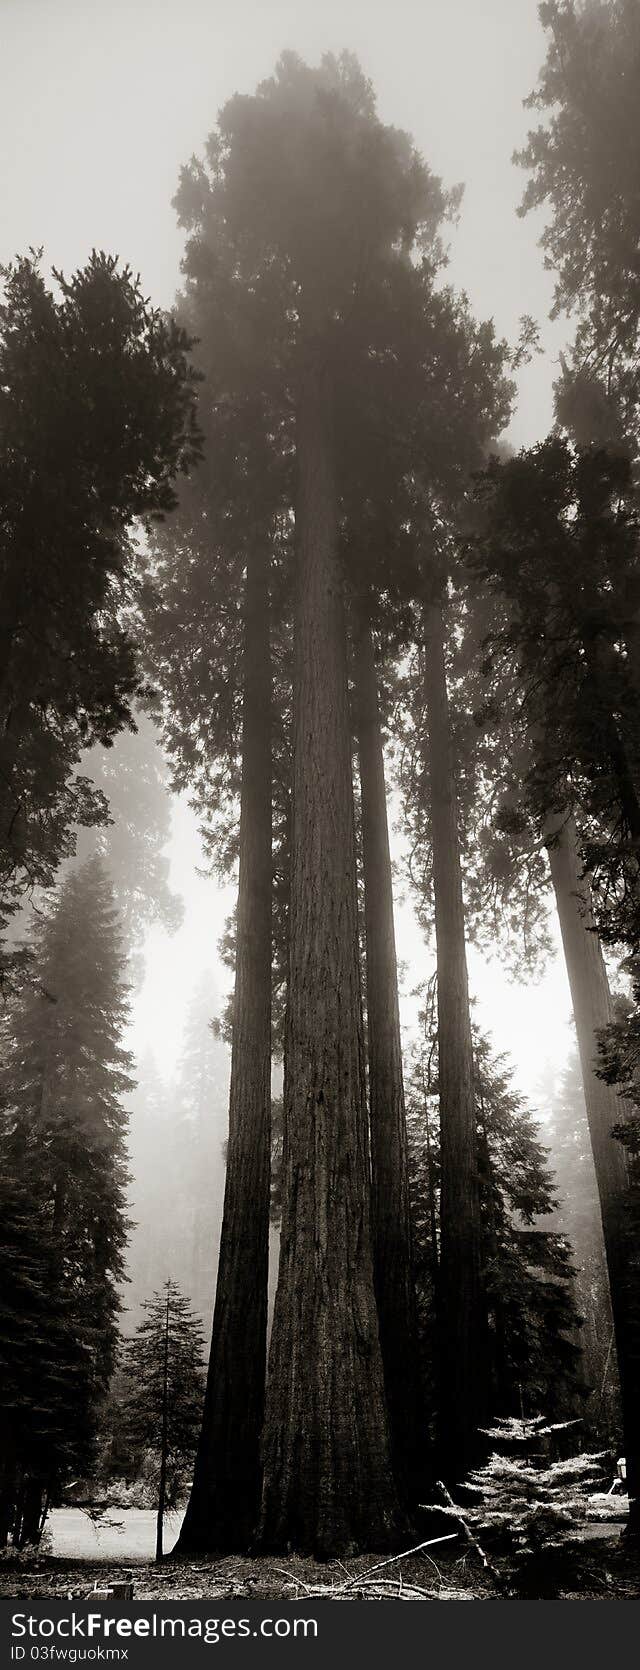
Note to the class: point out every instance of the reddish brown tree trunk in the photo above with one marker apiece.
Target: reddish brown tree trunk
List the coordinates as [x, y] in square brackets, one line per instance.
[461, 1299]
[225, 1497]
[328, 1481]
[592, 1009]
[389, 1149]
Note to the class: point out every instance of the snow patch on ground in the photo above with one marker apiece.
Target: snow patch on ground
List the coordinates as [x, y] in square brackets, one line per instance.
[118, 1534]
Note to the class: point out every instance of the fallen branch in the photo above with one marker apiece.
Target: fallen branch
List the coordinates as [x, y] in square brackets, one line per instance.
[291, 1576]
[364, 1576]
[473, 1541]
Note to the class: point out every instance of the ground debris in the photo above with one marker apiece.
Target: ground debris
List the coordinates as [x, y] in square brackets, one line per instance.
[605, 1571]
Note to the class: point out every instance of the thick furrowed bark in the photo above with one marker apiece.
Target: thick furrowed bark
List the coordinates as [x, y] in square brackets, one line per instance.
[593, 1010]
[224, 1503]
[461, 1299]
[389, 1150]
[328, 1481]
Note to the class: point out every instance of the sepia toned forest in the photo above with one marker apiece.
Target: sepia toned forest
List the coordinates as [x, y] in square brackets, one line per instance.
[336, 1285]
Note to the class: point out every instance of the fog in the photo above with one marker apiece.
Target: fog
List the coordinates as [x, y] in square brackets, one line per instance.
[101, 106]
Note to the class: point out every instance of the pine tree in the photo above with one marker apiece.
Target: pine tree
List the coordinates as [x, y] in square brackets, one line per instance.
[532, 1353]
[559, 538]
[97, 418]
[163, 1390]
[63, 1136]
[582, 160]
[523, 1504]
[46, 1367]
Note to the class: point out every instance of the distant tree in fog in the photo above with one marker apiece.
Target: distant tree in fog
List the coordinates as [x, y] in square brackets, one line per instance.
[578, 1212]
[177, 1136]
[133, 777]
[582, 160]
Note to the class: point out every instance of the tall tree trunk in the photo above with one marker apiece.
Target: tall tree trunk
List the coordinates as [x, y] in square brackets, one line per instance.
[328, 1479]
[389, 1149]
[592, 1010]
[164, 1436]
[462, 1302]
[225, 1498]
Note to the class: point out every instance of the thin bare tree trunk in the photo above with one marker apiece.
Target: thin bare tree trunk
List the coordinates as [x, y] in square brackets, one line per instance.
[328, 1480]
[389, 1148]
[592, 1008]
[164, 1436]
[225, 1497]
[461, 1297]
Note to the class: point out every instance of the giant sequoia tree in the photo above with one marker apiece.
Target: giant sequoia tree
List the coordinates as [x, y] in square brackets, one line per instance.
[399, 372]
[210, 646]
[224, 1500]
[389, 1149]
[328, 1481]
[461, 1296]
[292, 282]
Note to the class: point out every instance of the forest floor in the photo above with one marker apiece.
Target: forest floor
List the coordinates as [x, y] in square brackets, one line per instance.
[597, 1566]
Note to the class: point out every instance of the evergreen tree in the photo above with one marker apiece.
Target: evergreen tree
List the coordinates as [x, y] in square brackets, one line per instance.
[328, 1479]
[583, 165]
[389, 1148]
[525, 1506]
[63, 1137]
[461, 1284]
[242, 305]
[217, 602]
[225, 1497]
[46, 1364]
[96, 419]
[559, 538]
[532, 1356]
[298, 269]
[161, 1404]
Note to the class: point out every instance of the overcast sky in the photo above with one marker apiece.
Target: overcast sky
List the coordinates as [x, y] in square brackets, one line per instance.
[101, 102]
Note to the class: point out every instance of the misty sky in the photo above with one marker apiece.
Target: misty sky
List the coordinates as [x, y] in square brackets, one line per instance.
[101, 102]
